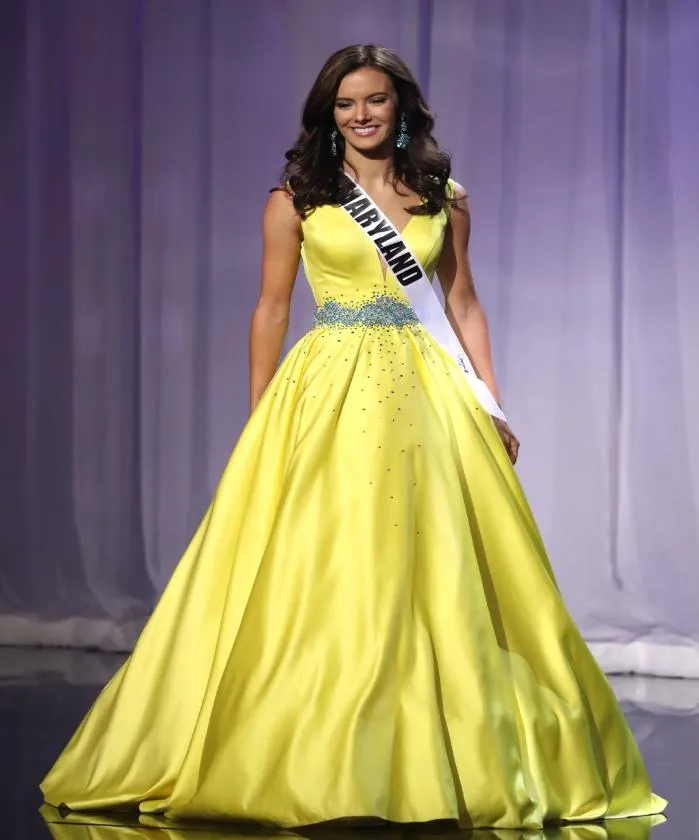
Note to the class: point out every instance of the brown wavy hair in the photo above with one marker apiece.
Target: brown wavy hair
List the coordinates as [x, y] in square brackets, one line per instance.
[313, 174]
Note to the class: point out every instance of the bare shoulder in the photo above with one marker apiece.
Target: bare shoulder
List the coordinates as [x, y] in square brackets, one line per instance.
[459, 213]
[459, 198]
[280, 213]
[458, 192]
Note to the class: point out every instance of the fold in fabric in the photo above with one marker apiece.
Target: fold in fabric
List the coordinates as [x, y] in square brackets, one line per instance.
[80, 826]
[365, 623]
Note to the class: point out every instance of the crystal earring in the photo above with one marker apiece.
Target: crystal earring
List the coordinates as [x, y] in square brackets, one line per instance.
[333, 143]
[402, 138]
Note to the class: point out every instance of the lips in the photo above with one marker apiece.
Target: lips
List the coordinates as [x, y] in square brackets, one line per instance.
[365, 130]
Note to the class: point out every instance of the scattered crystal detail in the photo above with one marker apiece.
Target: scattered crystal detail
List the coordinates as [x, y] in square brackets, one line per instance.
[381, 311]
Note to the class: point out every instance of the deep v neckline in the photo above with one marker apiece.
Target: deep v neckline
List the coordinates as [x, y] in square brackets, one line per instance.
[383, 266]
[400, 230]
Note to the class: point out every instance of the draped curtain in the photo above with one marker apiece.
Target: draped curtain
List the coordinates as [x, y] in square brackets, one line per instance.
[137, 143]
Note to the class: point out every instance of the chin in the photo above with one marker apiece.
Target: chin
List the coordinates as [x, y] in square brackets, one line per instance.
[368, 144]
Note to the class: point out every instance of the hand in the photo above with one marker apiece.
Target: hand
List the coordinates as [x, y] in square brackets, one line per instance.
[510, 442]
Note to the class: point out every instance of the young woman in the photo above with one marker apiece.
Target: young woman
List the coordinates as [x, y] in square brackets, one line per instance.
[365, 624]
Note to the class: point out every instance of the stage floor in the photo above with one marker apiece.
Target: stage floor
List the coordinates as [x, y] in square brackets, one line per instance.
[44, 694]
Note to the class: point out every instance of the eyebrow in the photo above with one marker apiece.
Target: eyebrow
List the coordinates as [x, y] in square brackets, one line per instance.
[368, 96]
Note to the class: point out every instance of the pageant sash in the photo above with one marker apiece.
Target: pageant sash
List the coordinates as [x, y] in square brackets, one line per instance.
[422, 297]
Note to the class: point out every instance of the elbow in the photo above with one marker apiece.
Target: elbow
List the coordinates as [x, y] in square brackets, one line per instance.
[464, 307]
[272, 311]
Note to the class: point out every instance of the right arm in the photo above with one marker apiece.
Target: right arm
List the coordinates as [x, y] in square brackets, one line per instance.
[281, 236]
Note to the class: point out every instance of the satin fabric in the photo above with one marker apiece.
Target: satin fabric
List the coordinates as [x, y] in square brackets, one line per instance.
[80, 826]
[365, 622]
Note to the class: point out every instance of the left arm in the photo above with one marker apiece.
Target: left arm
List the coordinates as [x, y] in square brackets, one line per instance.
[463, 309]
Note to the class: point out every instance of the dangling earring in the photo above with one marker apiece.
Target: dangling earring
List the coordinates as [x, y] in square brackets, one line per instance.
[333, 143]
[402, 138]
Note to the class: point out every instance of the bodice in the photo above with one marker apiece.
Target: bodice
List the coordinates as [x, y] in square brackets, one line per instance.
[343, 266]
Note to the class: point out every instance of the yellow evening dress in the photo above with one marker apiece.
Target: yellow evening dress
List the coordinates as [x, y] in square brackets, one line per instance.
[365, 623]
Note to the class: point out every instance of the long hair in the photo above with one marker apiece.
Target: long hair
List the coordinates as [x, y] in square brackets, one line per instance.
[313, 173]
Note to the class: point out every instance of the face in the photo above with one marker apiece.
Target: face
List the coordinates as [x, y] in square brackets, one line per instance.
[365, 109]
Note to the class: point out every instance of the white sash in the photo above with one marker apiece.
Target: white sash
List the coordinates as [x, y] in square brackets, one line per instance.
[411, 275]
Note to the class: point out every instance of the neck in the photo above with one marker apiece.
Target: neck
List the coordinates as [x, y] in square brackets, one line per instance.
[369, 168]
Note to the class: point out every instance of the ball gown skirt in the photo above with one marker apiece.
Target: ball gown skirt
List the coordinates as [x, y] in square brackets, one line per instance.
[365, 623]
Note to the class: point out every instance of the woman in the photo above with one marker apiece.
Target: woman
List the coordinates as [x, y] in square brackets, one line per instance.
[365, 624]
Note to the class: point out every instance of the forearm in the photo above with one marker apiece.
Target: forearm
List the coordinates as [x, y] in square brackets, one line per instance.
[267, 331]
[471, 327]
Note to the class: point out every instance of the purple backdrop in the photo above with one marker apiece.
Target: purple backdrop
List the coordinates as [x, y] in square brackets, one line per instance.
[137, 144]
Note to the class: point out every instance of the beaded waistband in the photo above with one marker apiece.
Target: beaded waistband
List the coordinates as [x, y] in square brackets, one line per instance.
[380, 311]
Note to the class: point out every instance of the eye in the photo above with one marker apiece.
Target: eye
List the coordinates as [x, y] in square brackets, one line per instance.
[379, 100]
[342, 105]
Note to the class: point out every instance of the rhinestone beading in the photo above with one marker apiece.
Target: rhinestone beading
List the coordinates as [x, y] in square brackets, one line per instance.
[380, 311]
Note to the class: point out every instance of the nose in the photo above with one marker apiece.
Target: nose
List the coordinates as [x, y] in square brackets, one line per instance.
[361, 113]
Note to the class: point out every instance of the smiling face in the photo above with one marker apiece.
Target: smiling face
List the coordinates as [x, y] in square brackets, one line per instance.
[366, 110]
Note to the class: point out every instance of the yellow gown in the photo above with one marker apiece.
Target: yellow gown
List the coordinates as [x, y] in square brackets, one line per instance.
[365, 623]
